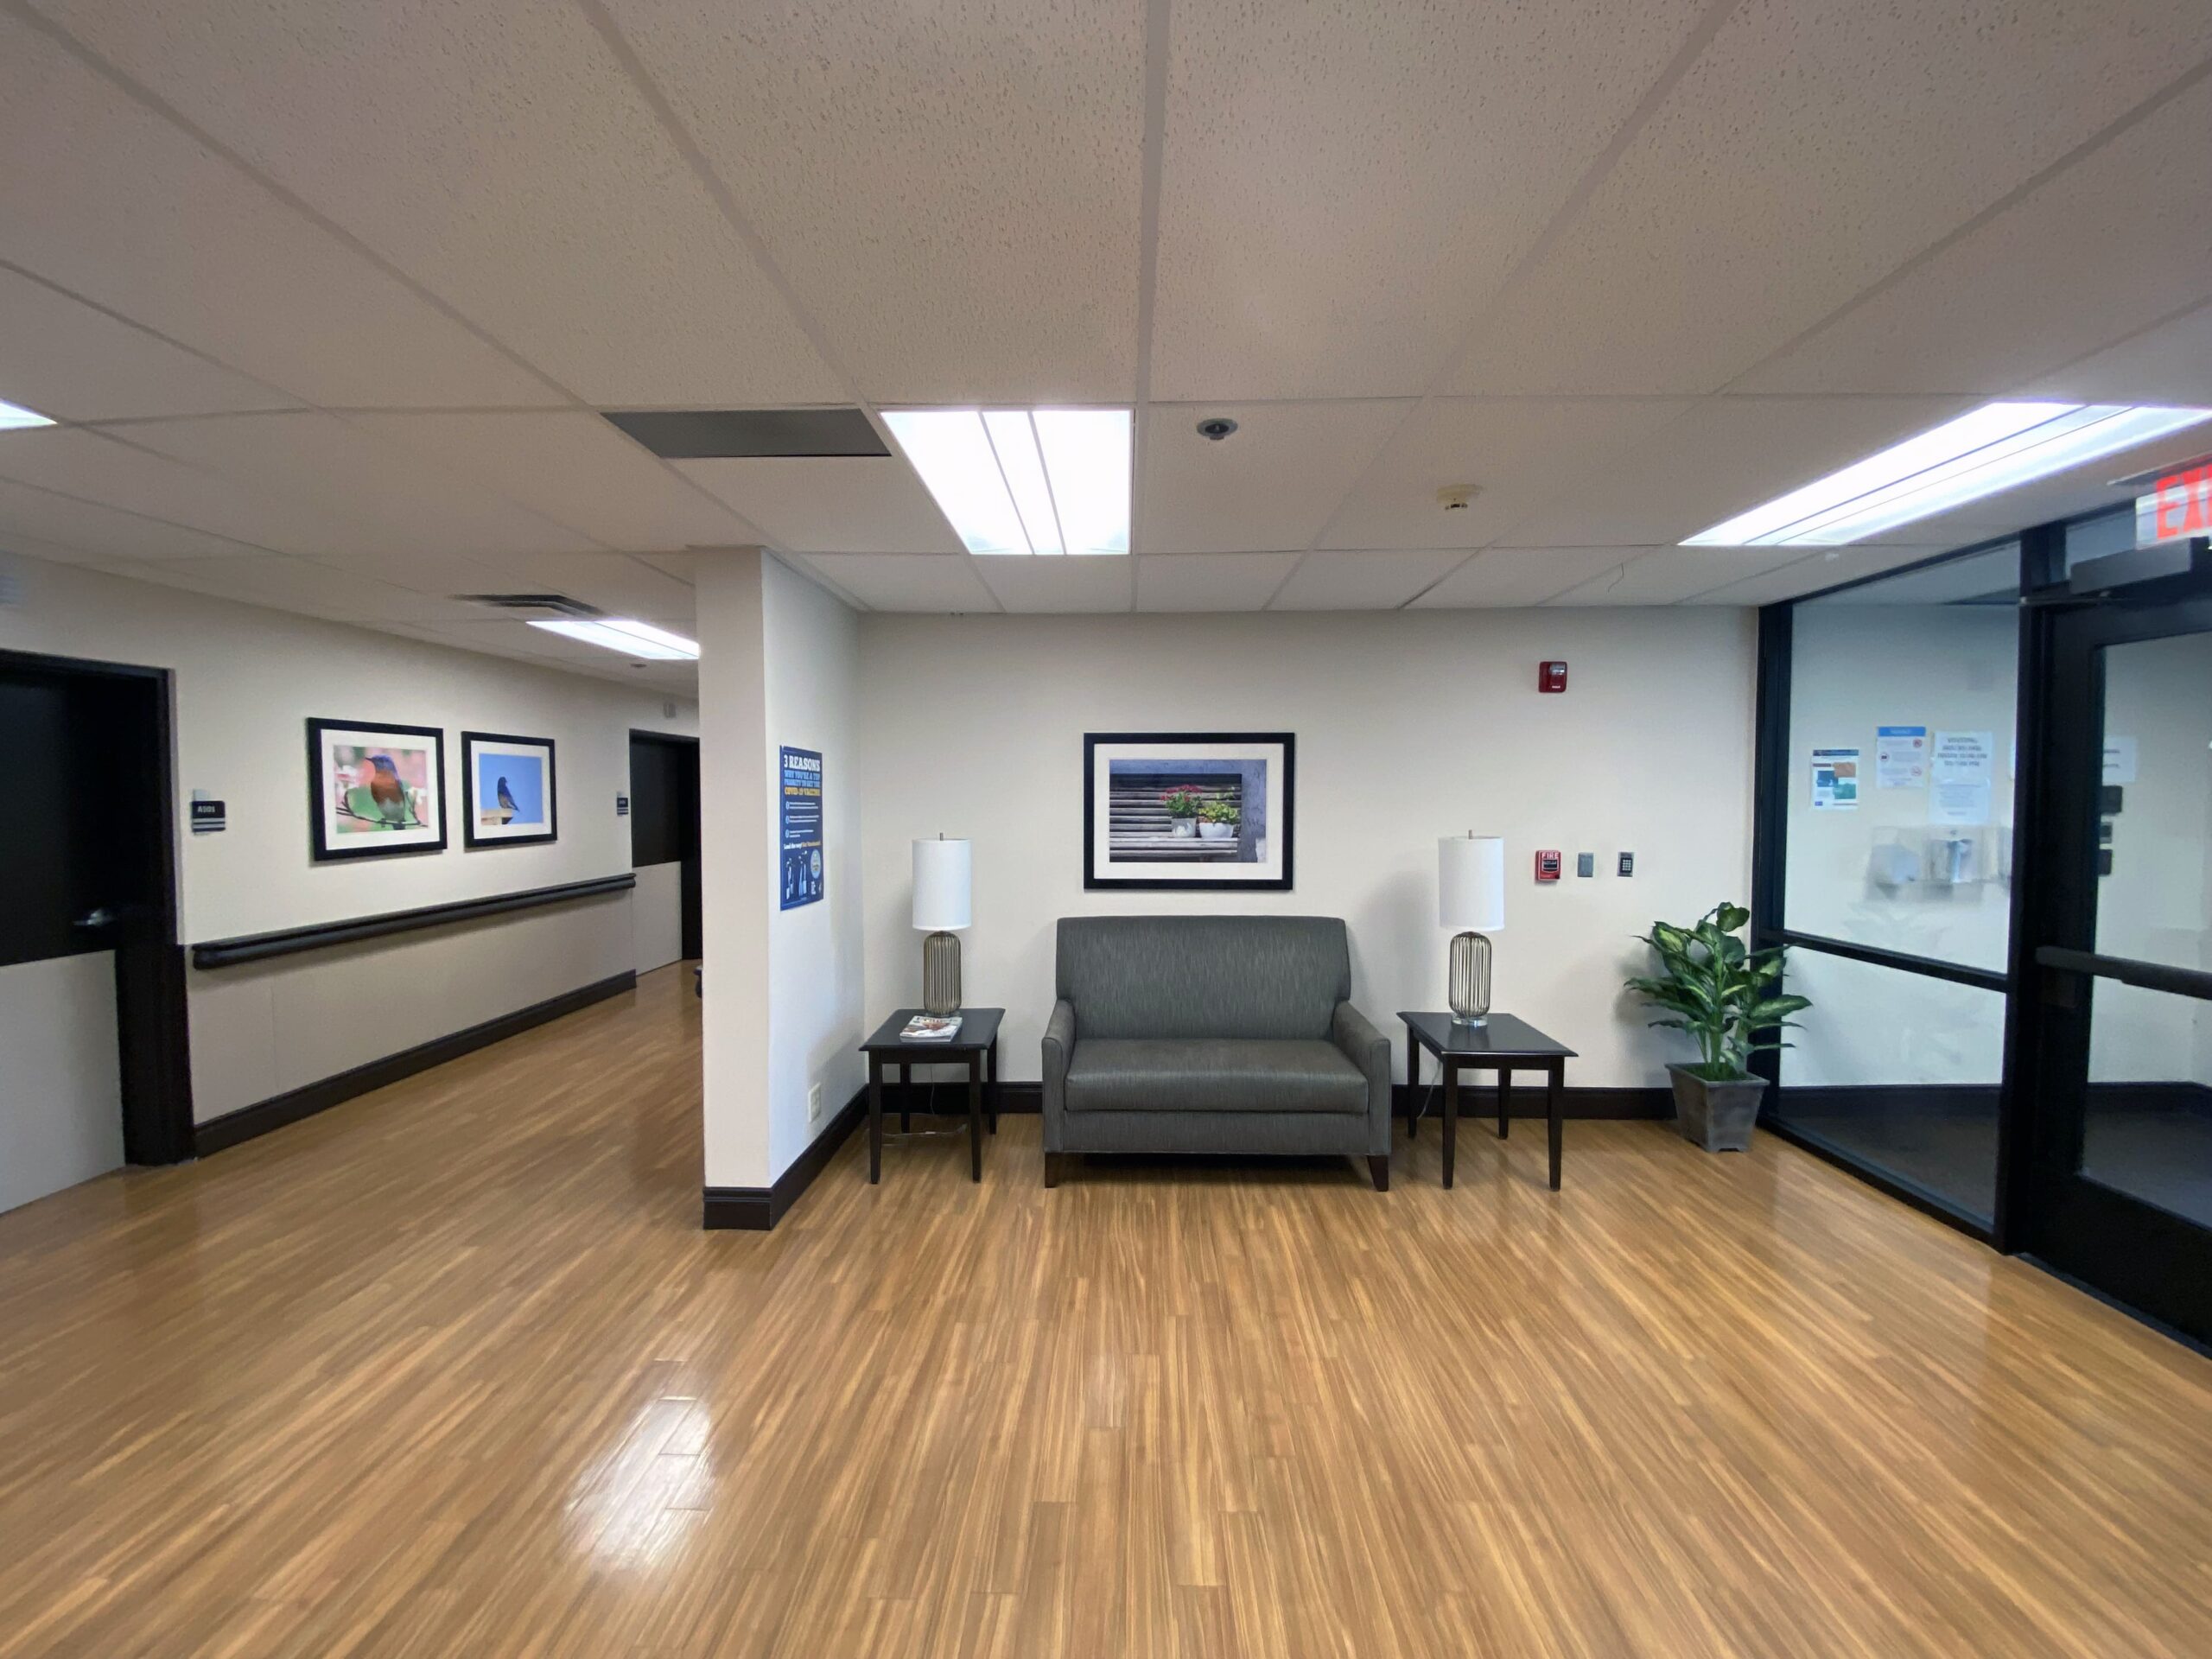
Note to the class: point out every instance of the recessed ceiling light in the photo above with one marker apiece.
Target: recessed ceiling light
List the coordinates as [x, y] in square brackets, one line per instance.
[1994, 448]
[15, 416]
[631, 639]
[1017, 480]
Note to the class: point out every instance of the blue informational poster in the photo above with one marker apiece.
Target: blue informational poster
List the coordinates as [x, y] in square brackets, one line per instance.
[801, 880]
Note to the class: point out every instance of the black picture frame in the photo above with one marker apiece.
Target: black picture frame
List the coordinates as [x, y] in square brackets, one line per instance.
[322, 849]
[1095, 880]
[472, 839]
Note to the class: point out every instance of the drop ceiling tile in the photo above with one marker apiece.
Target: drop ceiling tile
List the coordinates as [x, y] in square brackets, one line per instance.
[571, 467]
[71, 361]
[110, 466]
[1344, 185]
[1817, 570]
[1663, 576]
[285, 584]
[1210, 582]
[1724, 455]
[2171, 363]
[402, 501]
[1090, 583]
[1272, 484]
[905, 581]
[123, 208]
[1508, 577]
[831, 504]
[615, 582]
[954, 192]
[1808, 152]
[1368, 581]
[501, 156]
[1521, 454]
[2121, 238]
[103, 532]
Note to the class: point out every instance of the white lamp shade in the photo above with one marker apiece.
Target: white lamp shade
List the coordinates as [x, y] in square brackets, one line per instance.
[1471, 883]
[941, 884]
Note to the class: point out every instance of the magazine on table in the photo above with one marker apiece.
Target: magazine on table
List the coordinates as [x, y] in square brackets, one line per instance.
[931, 1028]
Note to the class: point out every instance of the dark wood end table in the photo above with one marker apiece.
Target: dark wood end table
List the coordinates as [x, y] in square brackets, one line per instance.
[1503, 1045]
[977, 1044]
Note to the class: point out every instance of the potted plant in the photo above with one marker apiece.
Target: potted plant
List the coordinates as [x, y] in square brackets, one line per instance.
[1721, 992]
[1217, 817]
[1182, 804]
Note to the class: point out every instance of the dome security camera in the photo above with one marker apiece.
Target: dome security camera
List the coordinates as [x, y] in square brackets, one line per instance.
[1216, 426]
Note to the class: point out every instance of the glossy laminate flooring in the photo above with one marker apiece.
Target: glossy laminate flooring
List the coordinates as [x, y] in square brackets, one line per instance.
[452, 1370]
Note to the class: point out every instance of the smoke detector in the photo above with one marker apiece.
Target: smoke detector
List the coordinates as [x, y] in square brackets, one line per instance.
[1454, 497]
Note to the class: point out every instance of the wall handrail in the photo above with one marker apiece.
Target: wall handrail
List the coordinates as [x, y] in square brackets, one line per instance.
[259, 947]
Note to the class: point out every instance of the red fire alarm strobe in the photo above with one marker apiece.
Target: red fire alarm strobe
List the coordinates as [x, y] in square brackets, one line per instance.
[1551, 677]
[1547, 866]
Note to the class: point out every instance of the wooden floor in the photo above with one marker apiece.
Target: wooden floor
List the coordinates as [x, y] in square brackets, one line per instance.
[452, 1370]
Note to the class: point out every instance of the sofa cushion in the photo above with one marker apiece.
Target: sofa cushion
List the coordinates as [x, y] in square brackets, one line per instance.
[1211, 1074]
[1203, 976]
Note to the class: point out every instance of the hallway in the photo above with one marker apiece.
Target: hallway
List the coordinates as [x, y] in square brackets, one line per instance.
[452, 1370]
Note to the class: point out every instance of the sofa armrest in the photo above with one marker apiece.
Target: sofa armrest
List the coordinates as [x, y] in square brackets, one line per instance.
[1369, 1050]
[1059, 1045]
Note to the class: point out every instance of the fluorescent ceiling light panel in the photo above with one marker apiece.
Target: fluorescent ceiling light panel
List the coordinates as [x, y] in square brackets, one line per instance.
[631, 639]
[14, 416]
[1989, 449]
[1015, 480]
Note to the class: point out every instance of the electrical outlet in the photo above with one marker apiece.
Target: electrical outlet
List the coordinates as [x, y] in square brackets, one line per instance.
[814, 1106]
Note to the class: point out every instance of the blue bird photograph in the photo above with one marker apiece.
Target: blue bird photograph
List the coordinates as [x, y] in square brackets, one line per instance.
[380, 788]
[509, 789]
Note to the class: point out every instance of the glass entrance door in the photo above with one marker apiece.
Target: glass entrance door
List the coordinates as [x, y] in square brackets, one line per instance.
[2121, 1157]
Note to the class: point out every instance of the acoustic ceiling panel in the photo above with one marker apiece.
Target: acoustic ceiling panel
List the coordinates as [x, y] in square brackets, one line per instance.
[2169, 362]
[1365, 581]
[1666, 576]
[1209, 582]
[1091, 583]
[99, 531]
[1512, 576]
[1818, 569]
[1273, 483]
[905, 581]
[844, 504]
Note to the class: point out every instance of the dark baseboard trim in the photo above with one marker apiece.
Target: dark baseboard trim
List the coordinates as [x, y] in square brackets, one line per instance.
[218, 1134]
[757, 1208]
[259, 947]
[1476, 1100]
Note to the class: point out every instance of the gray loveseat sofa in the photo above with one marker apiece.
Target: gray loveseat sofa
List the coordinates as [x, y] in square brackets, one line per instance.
[1211, 1034]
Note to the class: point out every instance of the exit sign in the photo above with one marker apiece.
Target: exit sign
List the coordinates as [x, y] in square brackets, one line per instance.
[2178, 507]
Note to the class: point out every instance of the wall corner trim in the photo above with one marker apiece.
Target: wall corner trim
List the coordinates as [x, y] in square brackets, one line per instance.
[757, 1208]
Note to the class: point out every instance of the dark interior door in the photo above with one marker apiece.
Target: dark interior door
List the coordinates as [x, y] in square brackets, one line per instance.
[665, 818]
[92, 1014]
[2121, 1189]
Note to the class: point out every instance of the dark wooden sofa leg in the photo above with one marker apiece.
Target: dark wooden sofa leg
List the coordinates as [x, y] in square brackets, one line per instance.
[1052, 1168]
[1378, 1166]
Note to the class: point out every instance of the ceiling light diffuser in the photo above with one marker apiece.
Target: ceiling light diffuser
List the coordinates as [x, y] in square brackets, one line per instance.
[1015, 480]
[631, 639]
[15, 416]
[1992, 449]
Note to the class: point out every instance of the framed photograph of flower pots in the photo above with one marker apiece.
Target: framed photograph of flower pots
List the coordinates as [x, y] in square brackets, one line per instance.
[374, 789]
[1207, 810]
[508, 781]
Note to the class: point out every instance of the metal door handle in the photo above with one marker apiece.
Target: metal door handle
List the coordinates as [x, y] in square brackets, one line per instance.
[100, 918]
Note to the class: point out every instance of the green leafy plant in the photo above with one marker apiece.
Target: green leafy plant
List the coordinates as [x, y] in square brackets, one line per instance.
[1218, 808]
[1181, 802]
[1717, 989]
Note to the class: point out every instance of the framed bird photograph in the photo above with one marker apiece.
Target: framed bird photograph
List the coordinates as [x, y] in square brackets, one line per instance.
[374, 789]
[509, 784]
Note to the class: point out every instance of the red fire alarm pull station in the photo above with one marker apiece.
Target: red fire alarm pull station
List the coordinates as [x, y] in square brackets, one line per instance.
[1551, 677]
[1547, 866]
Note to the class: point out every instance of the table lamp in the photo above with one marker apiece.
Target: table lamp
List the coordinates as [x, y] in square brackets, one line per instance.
[1471, 897]
[941, 884]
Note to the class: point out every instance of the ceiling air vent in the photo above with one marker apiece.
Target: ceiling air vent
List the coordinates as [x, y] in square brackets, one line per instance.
[750, 434]
[535, 604]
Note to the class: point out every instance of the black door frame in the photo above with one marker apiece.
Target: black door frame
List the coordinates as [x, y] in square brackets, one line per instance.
[153, 1032]
[690, 900]
[2047, 882]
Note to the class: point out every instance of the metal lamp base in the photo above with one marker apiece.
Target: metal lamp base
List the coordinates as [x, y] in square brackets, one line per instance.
[1470, 979]
[941, 974]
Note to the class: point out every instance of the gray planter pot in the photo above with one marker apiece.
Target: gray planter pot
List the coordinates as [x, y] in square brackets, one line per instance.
[1716, 1115]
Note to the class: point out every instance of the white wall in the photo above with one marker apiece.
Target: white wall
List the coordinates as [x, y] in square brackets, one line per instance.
[245, 681]
[814, 1009]
[1410, 726]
